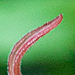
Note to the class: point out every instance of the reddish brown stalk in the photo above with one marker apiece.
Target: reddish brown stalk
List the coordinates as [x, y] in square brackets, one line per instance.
[26, 42]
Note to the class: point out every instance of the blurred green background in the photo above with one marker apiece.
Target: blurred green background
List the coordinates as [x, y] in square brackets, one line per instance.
[53, 54]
